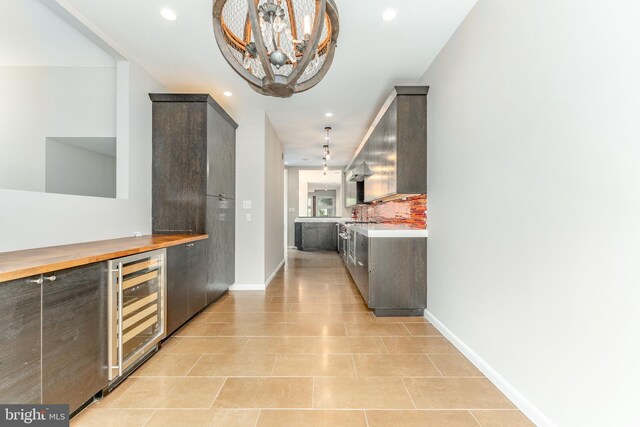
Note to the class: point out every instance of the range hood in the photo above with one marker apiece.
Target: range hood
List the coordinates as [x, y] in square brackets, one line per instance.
[359, 173]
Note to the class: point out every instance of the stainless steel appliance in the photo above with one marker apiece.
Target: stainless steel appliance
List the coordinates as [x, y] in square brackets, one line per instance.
[352, 246]
[137, 309]
[343, 240]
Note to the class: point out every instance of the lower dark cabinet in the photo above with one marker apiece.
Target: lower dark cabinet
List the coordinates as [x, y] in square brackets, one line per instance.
[20, 341]
[314, 236]
[221, 230]
[74, 334]
[186, 282]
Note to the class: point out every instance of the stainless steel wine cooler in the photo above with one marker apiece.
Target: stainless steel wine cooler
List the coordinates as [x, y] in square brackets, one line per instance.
[137, 315]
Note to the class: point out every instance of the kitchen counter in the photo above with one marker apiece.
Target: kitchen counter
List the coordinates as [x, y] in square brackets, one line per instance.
[321, 219]
[388, 230]
[19, 264]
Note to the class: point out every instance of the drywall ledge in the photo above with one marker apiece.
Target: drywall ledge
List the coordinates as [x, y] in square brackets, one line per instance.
[534, 414]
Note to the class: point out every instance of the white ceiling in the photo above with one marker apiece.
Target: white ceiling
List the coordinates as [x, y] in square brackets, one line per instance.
[372, 57]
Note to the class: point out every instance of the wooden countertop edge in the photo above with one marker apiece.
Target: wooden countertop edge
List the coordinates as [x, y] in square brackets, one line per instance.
[61, 263]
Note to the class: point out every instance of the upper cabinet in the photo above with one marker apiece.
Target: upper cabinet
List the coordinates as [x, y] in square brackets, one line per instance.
[396, 146]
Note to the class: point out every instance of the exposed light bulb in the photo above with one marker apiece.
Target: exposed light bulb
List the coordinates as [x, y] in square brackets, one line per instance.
[328, 155]
[307, 27]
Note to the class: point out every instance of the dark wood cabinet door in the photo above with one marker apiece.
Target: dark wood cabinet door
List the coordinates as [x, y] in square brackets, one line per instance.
[20, 361]
[221, 256]
[197, 275]
[179, 167]
[221, 153]
[177, 287]
[74, 334]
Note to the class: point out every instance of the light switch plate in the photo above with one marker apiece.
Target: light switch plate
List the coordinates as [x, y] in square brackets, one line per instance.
[246, 204]
[292, 209]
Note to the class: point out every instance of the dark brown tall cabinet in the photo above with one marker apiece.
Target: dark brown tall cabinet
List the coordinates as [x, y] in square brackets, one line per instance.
[194, 146]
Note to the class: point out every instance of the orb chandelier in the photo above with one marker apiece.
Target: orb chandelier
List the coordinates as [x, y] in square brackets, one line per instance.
[280, 47]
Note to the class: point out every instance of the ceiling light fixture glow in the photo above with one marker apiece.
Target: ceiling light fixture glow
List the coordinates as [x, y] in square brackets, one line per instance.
[389, 15]
[329, 115]
[168, 14]
[279, 47]
[227, 93]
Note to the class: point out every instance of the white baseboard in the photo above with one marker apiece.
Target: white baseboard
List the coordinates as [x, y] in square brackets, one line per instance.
[257, 287]
[268, 282]
[527, 408]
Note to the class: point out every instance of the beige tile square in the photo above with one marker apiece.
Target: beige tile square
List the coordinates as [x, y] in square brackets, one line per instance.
[207, 345]
[265, 393]
[202, 329]
[418, 345]
[104, 417]
[422, 330]
[167, 365]
[170, 392]
[421, 419]
[297, 329]
[203, 418]
[233, 365]
[312, 365]
[249, 307]
[349, 345]
[273, 345]
[454, 365]
[502, 419]
[456, 393]
[373, 329]
[315, 418]
[361, 393]
[394, 365]
[329, 308]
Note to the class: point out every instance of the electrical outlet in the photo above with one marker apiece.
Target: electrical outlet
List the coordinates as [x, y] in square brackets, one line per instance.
[246, 204]
[247, 217]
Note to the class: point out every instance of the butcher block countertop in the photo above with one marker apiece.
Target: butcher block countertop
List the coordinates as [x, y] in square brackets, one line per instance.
[19, 264]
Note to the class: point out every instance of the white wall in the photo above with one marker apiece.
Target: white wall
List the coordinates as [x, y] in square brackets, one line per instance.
[250, 175]
[41, 102]
[534, 207]
[30, 219]
[274, 191]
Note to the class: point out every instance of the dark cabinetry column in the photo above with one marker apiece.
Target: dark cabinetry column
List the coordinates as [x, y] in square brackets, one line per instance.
[20, 341]
[74, 334]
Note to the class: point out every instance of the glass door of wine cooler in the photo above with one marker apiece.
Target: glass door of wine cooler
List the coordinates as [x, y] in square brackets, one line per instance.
[138, 308]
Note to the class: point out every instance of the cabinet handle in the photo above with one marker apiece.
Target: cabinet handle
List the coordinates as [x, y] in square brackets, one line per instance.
[360, 264]
[50, 278]
[189, 245]
[120, 316]
[38, 281]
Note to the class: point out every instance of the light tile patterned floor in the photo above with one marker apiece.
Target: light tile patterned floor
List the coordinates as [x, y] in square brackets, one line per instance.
[307, 352]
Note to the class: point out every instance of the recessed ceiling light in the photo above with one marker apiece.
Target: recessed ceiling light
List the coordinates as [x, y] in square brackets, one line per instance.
[286, 163]
[329, 114]
[389, 15]
[227, 93]
[168, 14]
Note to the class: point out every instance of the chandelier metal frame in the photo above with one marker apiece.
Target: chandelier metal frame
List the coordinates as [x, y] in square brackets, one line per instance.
[309, 45]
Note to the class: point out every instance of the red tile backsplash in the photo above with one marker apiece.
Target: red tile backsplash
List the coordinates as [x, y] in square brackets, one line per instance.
[411, 211]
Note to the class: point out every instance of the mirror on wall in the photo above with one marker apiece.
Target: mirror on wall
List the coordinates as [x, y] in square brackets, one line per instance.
[58, 105]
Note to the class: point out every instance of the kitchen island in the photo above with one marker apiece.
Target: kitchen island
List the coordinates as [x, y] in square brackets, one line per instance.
[317, 233]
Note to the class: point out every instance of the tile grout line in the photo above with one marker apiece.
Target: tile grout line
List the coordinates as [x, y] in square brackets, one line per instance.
[434, 364]
[149, 419]
[273, 367]
[218, 393]
[258, 417]
[194, 365]
[410, 397]
[313, 392]
[366, 418]
[474, 417]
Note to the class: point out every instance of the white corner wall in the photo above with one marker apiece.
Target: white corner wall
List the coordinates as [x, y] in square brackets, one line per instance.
[32, 219]
[274, 204]
[534, 230]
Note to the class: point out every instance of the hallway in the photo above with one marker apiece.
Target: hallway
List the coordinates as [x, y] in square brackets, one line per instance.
[307, 352]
